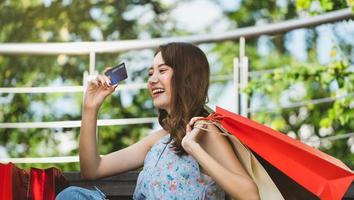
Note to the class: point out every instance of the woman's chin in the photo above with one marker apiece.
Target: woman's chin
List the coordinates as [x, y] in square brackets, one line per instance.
[159, 106]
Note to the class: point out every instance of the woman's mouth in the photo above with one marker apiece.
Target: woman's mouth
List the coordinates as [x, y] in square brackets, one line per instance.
[157, 91]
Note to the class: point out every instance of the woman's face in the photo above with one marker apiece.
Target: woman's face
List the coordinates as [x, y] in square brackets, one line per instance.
[159, 83]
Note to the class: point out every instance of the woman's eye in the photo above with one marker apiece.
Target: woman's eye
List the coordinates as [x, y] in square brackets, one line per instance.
[162, 71]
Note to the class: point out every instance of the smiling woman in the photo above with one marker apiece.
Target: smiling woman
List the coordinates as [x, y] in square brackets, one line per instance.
[185, 159]
[159, 83]
[186, 77]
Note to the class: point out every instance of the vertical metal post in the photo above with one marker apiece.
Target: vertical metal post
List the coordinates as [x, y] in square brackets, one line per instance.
[236, 84]
[92, 70]
[242, 48]
[243, 79]
[244, 82]
[84, 84]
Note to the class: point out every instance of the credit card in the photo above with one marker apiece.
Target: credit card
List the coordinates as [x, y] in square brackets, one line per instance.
[117, 73]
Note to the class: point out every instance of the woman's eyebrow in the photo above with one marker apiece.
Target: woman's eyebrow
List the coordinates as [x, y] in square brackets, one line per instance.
[162, 64]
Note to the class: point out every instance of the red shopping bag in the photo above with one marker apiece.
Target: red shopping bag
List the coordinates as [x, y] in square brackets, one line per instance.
[13, 182]
[35, 184]
[322, 175]
[46, 183]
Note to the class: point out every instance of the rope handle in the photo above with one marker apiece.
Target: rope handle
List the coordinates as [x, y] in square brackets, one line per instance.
[213, 119]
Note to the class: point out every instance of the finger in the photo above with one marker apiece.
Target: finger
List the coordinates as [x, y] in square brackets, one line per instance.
[200, 123]
[101, 80]
[91, 77]
[188, 128]
[113, 87]
[107, 80]
[201, 126]
[94, 82]
[97, 81]
[106, 69]
[198, 127]
[193, 120]
[195, 130]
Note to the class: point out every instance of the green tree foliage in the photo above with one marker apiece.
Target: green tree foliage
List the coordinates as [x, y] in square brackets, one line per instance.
[65, 21]
[320, 6]
[289, 76]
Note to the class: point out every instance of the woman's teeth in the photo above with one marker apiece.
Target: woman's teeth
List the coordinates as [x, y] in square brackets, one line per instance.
[155, 91]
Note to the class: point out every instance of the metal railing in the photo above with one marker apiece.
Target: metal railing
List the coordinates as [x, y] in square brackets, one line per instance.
[84, 48]
[91, 48]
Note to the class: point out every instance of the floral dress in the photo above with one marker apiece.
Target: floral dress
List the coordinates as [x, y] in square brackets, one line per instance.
[168, 176]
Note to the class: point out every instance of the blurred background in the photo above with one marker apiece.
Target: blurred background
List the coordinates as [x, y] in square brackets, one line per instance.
[300, 83]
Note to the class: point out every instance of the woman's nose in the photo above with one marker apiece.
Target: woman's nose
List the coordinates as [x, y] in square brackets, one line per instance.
[152, 79]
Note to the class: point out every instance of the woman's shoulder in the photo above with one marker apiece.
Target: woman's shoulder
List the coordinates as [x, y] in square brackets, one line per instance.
[156, 136]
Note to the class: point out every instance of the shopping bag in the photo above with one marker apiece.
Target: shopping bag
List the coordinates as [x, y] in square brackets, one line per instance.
[322, 175]
[34, 184]
[266, 187]
[13, 182]
[46, 183]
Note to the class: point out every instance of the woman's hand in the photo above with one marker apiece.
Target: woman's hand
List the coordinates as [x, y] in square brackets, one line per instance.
[97, 90]
[192, 134]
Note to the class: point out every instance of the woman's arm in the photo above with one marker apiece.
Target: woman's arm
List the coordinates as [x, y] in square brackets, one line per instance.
[92, 166]
[88, 150]
[96, 92]
[126, 159]
[217, 159]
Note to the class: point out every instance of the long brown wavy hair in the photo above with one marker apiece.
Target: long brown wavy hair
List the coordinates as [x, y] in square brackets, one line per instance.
[190, 82]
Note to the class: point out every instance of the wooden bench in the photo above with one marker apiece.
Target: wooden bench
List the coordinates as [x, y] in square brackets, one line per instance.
[116, 187]
[121, 186]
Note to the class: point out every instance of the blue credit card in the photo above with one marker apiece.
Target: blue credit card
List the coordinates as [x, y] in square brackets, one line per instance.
[117, 73]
